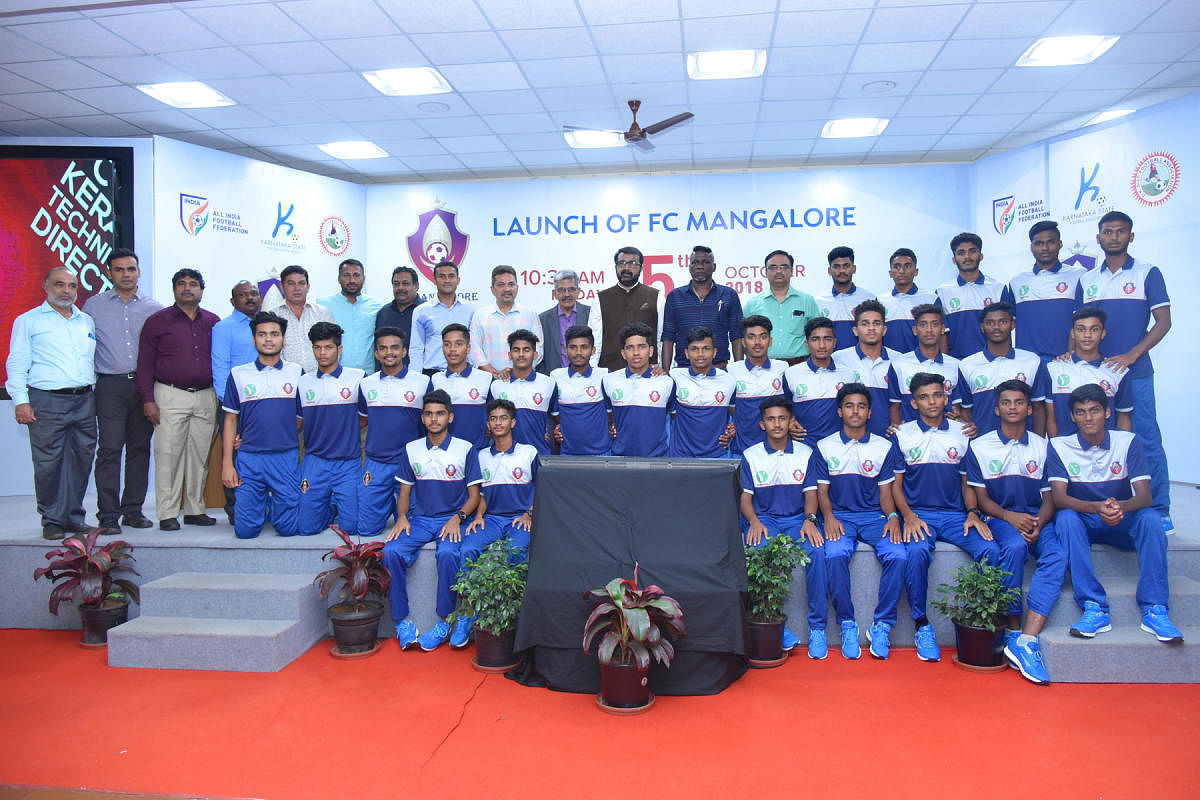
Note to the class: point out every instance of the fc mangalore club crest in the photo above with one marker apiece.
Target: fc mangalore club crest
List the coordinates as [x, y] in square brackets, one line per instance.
[437, 238]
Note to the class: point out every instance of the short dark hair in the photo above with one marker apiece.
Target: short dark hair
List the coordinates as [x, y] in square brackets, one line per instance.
[437, 397]
[840, 252]
[501, 403]
[388, 330]
[699, 334]
[120, 252]
[579, 332]
[631, 251]
[265, 318]
[459, 327]
[1044, 225]
[869, 305]
[293, 269]
[1088, 312]
[757, 321]
[321, 331]
[927, 308]
[445, 262]
[783, 253]
[1001, 306]
[924, 379]
[409, 271]
[350, 262]
[637, 329]
[502, 269]
[188, 272]
[775, 401]
[523, 335]
[903, 251]
[853, 388]
[973, 238]
[1014, 385]
[1116, 216]
[702, 248]
[1086, 394]
[817, 322]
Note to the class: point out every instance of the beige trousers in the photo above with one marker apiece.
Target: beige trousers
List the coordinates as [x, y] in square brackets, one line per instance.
[181, 444]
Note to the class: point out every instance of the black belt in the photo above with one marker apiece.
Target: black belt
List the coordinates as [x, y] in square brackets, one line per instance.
[126, 375]
[71, 390]
[192, 389]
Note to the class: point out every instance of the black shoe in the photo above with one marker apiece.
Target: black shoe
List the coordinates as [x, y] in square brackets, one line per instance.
[138, 521]
[77, 527]
[229, 515]
[203, 520]
[168, 524]
[52, 532]
[112, 529]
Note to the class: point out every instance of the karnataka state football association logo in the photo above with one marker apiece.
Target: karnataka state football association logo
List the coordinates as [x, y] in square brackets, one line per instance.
[334, 236]
[437, 238]
[1004, 212]
[193, 213]
[1155, 178]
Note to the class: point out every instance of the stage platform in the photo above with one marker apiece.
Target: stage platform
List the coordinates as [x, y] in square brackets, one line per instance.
[1124, 655]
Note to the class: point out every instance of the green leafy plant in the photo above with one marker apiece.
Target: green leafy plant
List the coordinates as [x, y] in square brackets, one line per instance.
[630, 621]
[769, 576]
[84, 572]
[360, 570]
[491, 587]
[977, 597]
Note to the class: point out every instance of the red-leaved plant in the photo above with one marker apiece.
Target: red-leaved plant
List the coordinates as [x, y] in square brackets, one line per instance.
[84, 572]
[632, 620]
[360, 569]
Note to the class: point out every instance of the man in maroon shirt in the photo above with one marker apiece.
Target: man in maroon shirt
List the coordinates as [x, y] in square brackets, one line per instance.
[174, 378]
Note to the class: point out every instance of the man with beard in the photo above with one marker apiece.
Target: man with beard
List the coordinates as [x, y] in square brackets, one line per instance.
[628, 302]
[430, 320]
[399, 313]
[233, 344]
[702, 303]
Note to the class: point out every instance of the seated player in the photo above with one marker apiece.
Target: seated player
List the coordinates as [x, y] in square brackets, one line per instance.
[869, 362]
[439, 483]
[1007, 468]
[933, 498]
[779, 495]
[531, 392]
[331, 471]
[1086, 365]
[701, 404]
[467, 386]
[812, 385]
[756, 378]
[928, 327]
[262, 396]
[1101, 486]
[854, 473]
[581, 412]
[391, 402]
[997, 362]
[639, 398]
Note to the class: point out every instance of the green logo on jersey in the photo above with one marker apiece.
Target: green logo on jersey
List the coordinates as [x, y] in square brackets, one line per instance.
[417, 469]
[1064, 380]
[310, 395]
[372, 394]
[683, 394]
[914, 453]
[503, 395]
[1024, 291]
[955, 303]
[824, 312]
[741, 386]
[617, 394]
[908, 382]
[995, 466]
[801, 389]
[251, 390]
[833, 462]
[1074, 468]
[1093, 290]
[487, 474]
[761, 476]
[857, 376]
[981, 381]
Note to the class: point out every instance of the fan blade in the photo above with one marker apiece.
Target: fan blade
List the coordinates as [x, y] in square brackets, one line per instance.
[641, 142]
[667, 123]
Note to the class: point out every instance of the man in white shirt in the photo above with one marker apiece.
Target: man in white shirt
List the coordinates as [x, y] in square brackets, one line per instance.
[491, 325]
[300, 315]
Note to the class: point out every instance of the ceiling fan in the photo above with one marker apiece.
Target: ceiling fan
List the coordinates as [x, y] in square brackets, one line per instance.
[637, 135]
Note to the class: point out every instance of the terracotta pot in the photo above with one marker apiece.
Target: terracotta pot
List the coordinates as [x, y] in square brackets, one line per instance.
[979, 647]
[355, 625]
[98, 619]
[494, 652]
[624, 685]
[766, 643]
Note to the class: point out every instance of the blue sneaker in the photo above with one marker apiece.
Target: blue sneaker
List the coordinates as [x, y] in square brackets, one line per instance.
[818, 647]
[927, 646]
[1028, 659]
[406, 634]
[1156, 621]
[433, 638]
[461, 636]
[851, 649]
[1010, 639]
[1168, 525]
[879, 635]
[1094, 620]
[790, 639]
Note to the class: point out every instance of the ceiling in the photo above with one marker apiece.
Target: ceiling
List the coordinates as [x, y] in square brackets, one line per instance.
[523, 68]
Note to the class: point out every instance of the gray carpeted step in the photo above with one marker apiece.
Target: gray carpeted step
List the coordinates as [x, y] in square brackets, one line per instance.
[1126, 654]
[239, 645]
[224, 595]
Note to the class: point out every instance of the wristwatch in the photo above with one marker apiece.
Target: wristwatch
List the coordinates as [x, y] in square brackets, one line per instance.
[975, 511]
[811, 518]
[462, 516]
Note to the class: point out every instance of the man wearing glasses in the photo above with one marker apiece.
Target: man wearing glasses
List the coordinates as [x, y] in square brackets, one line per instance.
[628, 302]
[787, 308]
[557, 320]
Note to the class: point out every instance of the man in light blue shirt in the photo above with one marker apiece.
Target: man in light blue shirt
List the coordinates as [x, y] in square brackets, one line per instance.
[355, 313]
[233, 344]
[51, 373]
[430, 319]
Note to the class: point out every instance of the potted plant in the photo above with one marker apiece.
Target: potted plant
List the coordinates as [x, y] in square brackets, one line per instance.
[490, 588]
[359, 572]
[84, 572]
[633, 625]
[976, 602]
[769, 571]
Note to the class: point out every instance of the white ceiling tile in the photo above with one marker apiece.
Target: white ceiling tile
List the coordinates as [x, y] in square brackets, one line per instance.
[616, 155]
[995, 20]
[390, 130]
[722, 8]
[253, 153]
[1019, 79]
[1177, 15]
[102, 125]
[799, 89]
[671, 93]
[1104, 17]
[456, 105]
[1087, 101]
[431, 163]
[575, 97]
[213, 139]
[300, 112]
[729, 33]
[444, 16]
[294, 58]
[488, 160]
[332, 85]
[514, 101]
[37, 127]
[795, 129]
[76, 37]
[820, 27]
[1115, 76]
[1136, 48]
[17, 48]
[169, 120]
[378, 52]
[472, 144]
[904, 144]
[913, 24]
[936, 105]
[275, 136]
[264, 89]
[217, 62]
[1043, 121]
[866, 84]
[453, 126]
[137, 69]
[1185, 74]
[1010, 102]
[306, 152]
[959, 81]
[804, 61]
[722, 132]
[919, 126]
[319, 133]
[988, 123]
[49, 104]
[363, 109]
[648, 37]
[552, 43]
[954, 156]
[976, 53]
[884, 107]
[257, 23]
[787, 111]
[376, 166]
[7, 112]
[722, 150]
[824, 147]
[61, 74]
[563, 71]
[730, 91]
[878, 158]
[146, 31]
[600, 12]
[11, 83]
[340, 19]
[116, 99]
[885, 57]
[675, 153]
[651, 67]
[461, 48]
[518, 142]
[410, 146]
[484, 77]
[229, 117]
[521, 123]
[547, 158]
[966, 141]
[523, 14]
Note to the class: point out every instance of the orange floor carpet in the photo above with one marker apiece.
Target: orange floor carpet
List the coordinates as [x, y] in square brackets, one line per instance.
[422, 725]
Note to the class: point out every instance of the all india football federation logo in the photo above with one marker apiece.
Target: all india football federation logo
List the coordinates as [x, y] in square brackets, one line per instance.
[1004, 212]
[334, 236]
[437, 238]
[193, 213]
[1155, 178]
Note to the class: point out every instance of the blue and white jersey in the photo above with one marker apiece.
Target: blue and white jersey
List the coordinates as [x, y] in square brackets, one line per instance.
[813, 392]
[1045, 300]
[963, 303]
[329, 406]
[267, 400]
[534, 398]
[1094, 474]
[854, 469]
[392, 406]
[752, 385]
[639, 408]
[982, 373]
[899, 335]
[468, 392]
[1065, 377]
[778, 479]
[508, 477]
[439, 475]
[906, 365]
[931, 462]
[839, 307]
[1127, 296]
[875, 375]
[1013, 471]
[701, 409]
[582, 411]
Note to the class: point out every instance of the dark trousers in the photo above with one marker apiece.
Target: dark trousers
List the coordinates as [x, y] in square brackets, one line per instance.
[122, 426]
[62, 440]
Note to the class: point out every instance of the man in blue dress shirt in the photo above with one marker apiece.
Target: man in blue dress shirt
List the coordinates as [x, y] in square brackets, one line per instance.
[430, 319]
[355, 313]
[702, 302]
[233, 344]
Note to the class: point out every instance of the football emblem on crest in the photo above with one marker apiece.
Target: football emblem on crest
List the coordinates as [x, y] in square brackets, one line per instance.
[590, 391]
[287, 388]
[451, 470]
[345, 392]
[473, 394]
[410, 396]
[517, 472]
[952, 453]
[868, 467]
[1031, 466]
[1115, 468]
[654, 397]
[537, 398]
[798, 474]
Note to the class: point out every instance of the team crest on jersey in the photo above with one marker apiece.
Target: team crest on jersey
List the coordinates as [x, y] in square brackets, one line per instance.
[947, 387]
[1031, 466]
[1128, 288]
[741, 386]
[251, 390]
[1021, 377]
[367, 478]
[775, 384]
[981, 381]
[839, 385]
[995, 465]
[654, 397]
[1024, 290]
[1074, 469]
[857, 377]
[451, 470]
[417, 469]
[372, 394]
[287, 388]
[487, 474]
[798, 475]
[868, 466]
[833, 462]
[720, 397]
[410, 396]
[1060, 287]
[1115, 468]
[345, 393]
[1106, 386]
[537, 398]
[761, 476]
[801, 389]
[952, 453]
[955, 303]
[304, 486]
[683, 393]
[310, 395]
[473, 394]
[914, 453]
[987, 301]
[590, 391]
[518, 473]
[1063, 380]
[617, 394]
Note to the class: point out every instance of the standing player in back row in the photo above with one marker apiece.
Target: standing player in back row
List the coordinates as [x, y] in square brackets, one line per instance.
[531, 392]
[1044, 296]
[842, 299]
[812, 385]
[997, 362]
[701, 405]
[756, 378]
[965, 297]
[904, 298]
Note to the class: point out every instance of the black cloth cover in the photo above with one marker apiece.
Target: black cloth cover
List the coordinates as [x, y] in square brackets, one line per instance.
[678, 520]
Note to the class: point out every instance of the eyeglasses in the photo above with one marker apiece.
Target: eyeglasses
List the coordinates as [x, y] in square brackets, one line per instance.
[628, 264]
[566, 289]
[778, 268]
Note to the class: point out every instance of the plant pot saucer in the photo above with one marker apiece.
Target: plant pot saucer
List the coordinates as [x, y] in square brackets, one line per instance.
[92, 645]
[624, 712]
[767, 663]
[491, 670]
[338, 654]
[975, 668]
